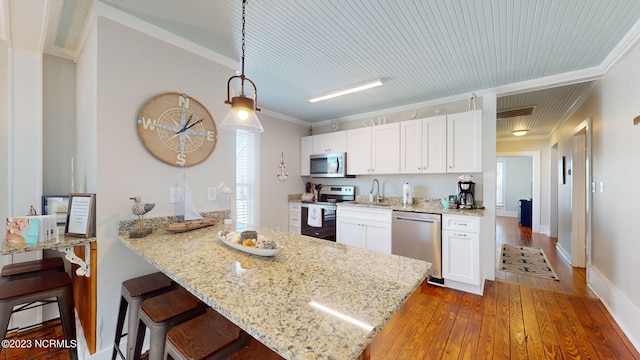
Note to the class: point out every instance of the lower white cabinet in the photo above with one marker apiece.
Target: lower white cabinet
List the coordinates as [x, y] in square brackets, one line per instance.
[461, 249]
[364, 228]
[294, 217]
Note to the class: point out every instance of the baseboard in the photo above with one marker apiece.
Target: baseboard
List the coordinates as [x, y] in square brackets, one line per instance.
[505, 213]
[544, 229]
[563, 253]
[623, 311]
[478, 290]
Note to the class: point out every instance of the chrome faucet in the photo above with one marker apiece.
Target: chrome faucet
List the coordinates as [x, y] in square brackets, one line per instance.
[376, 198]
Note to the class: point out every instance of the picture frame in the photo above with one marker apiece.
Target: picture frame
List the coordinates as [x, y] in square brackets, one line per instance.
[56, 205]
[81, 215]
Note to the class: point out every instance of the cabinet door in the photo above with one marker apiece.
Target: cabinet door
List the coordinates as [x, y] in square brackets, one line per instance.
[461, 256]
[434, 145]
[359, 151]
[378, 237]
[385, 149]
[306, 148]
[411, 146]
[350, 232]
[464, 142]
[330, 143]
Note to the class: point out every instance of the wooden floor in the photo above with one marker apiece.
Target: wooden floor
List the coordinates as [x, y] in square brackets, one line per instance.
[519, 317]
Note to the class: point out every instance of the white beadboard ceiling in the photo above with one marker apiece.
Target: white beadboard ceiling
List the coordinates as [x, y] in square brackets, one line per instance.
[423, 50]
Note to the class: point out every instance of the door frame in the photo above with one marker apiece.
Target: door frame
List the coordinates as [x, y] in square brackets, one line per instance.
[535, 192]
[582, 188]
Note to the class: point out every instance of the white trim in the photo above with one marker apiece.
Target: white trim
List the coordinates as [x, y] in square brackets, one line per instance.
[564, 254]
[623, 311]
[536, 178]
[504, 213]
[622, 48]
[280, 116]
[545, 229]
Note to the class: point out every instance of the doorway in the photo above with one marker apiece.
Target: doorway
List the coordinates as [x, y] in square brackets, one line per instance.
[535, 184]
[581, 189]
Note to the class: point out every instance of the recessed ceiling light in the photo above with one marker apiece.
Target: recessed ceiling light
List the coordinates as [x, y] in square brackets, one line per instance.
[351, 90]
[520, 132]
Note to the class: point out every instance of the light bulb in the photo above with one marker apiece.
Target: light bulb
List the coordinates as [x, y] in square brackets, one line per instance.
[243, 114]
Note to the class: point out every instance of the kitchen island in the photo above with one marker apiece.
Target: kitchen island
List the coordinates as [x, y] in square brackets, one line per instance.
[313, 300]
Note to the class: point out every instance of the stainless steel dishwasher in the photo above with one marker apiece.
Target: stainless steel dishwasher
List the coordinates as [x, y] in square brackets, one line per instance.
[419, 236]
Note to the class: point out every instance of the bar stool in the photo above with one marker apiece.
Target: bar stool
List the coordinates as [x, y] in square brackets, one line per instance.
[25, 269]
[133, 292]
[160, 314]
[35, 288]
[209, 336]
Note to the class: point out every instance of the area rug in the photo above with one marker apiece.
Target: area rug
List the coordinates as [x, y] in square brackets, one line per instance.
[527, 261]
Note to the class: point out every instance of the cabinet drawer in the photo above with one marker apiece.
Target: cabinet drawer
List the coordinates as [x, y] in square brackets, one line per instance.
[461, 223]
[364, 214]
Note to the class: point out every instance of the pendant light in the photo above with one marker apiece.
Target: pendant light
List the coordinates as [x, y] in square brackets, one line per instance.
[243, 106]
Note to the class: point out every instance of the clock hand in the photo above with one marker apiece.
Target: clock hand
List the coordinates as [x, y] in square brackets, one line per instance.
[190, 126]
[185, 125]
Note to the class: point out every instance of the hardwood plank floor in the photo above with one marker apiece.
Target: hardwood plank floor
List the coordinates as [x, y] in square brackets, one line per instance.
[517, 318]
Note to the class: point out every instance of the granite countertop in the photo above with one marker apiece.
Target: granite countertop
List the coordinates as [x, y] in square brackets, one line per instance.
[285, 301]
[432, 206]
[64, 241]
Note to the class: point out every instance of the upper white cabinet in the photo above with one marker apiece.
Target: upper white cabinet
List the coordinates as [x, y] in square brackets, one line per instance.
[374, 150]
[306, 149]
[464, 142]
[329, 143]
[423, 145]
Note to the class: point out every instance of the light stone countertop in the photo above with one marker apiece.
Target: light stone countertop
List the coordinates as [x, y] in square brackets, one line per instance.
[285, 301]
[64, 241]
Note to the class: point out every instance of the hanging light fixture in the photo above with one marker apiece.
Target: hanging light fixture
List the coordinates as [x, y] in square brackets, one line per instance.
[243, 106]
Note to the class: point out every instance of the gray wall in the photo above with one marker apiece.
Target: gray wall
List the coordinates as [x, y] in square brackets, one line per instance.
[518, 180]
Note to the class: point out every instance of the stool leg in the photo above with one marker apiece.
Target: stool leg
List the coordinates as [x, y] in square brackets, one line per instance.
[68, 317]
[134, 311]
[5, 316]
[139, 340]
[157, 339]
[119, 325]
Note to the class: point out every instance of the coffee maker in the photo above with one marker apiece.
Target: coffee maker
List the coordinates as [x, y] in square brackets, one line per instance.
[466, 189]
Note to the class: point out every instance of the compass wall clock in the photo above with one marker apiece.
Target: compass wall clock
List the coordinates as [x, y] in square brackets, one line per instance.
[177, 129]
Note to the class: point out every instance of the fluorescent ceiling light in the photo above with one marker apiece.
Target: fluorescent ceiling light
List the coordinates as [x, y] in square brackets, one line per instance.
[347, 91]
[520, 132]
[342, 316]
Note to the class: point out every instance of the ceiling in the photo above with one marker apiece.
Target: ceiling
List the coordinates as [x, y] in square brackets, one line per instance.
[544, 53]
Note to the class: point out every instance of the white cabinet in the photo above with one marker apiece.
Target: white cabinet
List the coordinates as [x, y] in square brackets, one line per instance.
[364, 228]
[295, 214]
[374, 150]
[464, 142]
[461, 249]
[306, 150]
[329, 143]
[423, 145]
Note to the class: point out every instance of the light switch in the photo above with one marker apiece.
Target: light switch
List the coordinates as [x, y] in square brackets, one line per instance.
[211, 194]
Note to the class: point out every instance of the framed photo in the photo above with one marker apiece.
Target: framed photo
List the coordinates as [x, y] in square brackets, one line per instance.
[81, 216]
[56, 205]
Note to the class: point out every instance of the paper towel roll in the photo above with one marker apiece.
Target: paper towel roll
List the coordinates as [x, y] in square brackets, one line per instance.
[407, 198]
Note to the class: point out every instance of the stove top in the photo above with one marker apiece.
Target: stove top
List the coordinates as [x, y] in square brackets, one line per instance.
[332, 194]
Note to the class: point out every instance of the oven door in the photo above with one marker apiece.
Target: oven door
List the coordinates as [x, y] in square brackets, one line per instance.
[327, 230]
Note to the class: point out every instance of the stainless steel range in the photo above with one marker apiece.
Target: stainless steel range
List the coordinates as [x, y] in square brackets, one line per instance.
[319, 217]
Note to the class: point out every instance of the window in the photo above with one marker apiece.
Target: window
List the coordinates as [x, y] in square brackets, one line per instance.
[500, 174]
[247, 170]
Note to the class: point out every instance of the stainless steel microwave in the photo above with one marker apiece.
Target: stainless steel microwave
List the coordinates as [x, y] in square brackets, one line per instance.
[328, 165]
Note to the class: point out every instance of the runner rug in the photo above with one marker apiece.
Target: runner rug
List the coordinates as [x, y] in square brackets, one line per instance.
[527, 261]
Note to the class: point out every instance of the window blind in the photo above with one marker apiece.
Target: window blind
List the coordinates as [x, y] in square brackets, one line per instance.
[246, 178]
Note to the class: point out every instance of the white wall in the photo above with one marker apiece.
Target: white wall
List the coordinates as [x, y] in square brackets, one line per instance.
[59, 124]
[518, 181]
[613, 271]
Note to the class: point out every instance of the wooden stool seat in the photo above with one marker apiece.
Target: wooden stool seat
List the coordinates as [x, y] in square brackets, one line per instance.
[209, 336]
[133, 292]
[17, 292]
[161, 313]
[31, 268]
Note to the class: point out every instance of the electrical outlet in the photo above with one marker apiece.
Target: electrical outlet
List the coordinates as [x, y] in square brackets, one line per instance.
[174, 195]
[211, 194]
